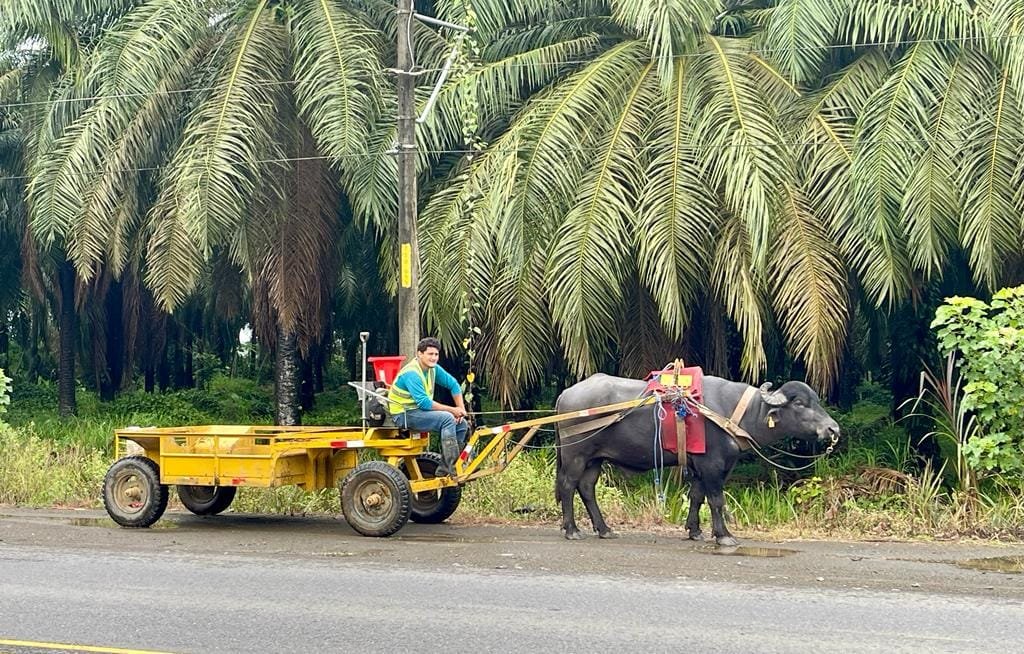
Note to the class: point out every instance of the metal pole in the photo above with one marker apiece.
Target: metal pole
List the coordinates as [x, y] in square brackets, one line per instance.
[408, 286]
[364, 337]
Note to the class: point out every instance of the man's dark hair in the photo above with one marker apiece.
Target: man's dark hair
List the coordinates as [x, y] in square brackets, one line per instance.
[429, 341]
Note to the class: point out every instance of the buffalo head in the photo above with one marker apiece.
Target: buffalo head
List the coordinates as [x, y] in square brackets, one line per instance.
[795, 410]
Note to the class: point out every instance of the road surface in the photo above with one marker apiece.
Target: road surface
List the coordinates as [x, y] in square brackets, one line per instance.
[236, 583]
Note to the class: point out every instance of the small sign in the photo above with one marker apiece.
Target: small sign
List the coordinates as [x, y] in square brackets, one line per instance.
[406, 265]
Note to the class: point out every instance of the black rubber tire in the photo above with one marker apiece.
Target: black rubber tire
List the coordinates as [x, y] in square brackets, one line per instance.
[132, 492]
[376, 499]
[206, 500]
[433, 507]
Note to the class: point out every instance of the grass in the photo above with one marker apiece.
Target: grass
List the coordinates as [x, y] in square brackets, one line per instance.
[876, 503]
[868, 489]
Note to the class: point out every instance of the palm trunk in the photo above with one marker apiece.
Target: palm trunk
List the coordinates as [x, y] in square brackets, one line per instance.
[306, 391]
[67, 326]
[287, 379]
[112, 378]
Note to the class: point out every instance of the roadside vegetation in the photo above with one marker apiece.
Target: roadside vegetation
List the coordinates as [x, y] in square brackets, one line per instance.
[876, 485]
[771, 189]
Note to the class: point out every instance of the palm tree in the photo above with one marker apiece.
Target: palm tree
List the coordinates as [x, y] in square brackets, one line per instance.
[233, 123]
[647, 153]
[749, 158]
[36, 52]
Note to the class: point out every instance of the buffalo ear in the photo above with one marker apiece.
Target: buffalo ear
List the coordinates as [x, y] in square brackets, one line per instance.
[772, 399]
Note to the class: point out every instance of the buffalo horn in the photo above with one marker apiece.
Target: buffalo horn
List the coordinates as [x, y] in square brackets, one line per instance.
[772, 399]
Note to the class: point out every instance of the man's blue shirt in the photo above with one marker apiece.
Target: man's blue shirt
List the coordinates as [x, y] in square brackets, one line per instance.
[412, 383]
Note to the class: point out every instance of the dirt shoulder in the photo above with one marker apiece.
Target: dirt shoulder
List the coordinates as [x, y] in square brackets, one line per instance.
[927, 567]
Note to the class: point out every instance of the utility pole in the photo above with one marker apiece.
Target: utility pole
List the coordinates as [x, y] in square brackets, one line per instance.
[408, 282]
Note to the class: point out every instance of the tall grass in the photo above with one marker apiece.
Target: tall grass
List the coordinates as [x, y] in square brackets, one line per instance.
[871, 486]
[36, 472]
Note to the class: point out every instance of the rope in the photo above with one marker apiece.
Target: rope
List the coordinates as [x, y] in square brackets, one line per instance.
[624, 414]
[659, 453]
[511, 411]
[757, 447]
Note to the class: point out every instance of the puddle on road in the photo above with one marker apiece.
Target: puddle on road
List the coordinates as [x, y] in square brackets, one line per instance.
[761, 552]
[1008, 564]
[107, 522]
[342, 555]
[431, 538]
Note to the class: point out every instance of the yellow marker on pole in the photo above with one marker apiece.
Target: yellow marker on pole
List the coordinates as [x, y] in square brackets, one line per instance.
[406, 265]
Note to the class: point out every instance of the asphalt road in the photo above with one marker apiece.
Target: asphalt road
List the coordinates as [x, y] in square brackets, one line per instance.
[279, 584]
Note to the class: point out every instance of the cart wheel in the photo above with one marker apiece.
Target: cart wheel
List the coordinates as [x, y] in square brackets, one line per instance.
[433, 507]
[206, 500]
[132, 492]
[376, 499]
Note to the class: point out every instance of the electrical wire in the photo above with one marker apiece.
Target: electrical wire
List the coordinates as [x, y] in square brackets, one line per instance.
[565, 62]
[631, 149]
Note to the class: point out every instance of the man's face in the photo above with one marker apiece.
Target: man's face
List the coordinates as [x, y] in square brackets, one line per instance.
[428, 357]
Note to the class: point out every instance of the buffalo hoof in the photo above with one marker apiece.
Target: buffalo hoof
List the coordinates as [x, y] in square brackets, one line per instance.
[697, 536]
[573, 535]
[727, 541]
[608, 535]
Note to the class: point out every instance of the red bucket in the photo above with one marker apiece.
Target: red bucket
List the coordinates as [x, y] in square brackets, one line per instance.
[385, 369]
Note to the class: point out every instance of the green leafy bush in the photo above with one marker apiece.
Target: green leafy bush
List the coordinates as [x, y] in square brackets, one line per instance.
[870, 436]
[989, 339]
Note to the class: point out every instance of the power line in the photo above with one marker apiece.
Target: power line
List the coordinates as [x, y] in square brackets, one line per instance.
[623, 149]
[564, 62]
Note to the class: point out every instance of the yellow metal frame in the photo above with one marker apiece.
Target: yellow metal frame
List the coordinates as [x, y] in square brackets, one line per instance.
[315, 458]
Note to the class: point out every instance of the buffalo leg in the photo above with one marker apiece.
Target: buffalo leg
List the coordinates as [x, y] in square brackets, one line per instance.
[568, 482]
[696, 494]
[716, 500]
[588, 491]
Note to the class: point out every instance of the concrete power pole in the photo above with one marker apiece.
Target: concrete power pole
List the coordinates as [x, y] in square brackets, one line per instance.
[408, 283]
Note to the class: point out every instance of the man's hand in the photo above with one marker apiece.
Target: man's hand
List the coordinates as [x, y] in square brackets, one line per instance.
[459, 413]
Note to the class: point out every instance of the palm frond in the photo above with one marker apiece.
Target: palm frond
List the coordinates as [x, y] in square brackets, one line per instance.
[931, 205]
[643, 344]
[737, 288]
[991, 226]
[894, 23]
[670, 27]
[299, 259]
[139, 69]
[737, 134]
[493, 18]
[799, 35]
[226, 162]
[825, 123]
[892, 131]
[587, 260]
[429, 45]
[809, 290]
[677, 212]
[446, 233]
[336, 72]
[514, 67]
[10, 83]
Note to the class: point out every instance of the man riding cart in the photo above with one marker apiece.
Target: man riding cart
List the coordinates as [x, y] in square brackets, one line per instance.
[412, 406]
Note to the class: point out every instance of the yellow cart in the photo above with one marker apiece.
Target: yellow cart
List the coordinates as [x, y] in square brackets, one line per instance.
[208, 464]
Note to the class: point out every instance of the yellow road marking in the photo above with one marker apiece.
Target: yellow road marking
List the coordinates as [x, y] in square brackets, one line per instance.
[76, 648]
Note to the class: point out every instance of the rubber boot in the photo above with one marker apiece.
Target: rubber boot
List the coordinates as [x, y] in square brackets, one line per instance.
[450, 453]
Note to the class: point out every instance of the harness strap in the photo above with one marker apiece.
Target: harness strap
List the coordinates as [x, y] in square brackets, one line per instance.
[731, 425]
[591, 425]
[741, 407]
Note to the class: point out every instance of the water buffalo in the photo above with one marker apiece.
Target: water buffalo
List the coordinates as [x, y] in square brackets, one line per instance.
[792, 410]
